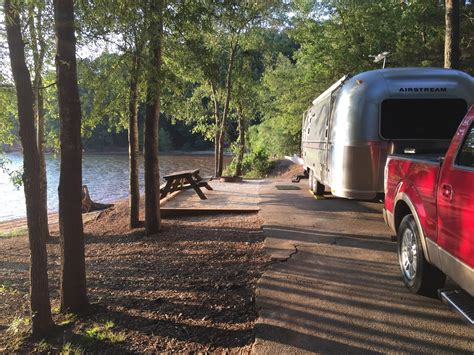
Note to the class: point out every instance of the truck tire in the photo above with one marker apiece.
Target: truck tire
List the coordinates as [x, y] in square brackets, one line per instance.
[417, 274]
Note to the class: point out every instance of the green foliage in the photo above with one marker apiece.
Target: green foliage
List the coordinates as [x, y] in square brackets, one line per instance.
[13, 233]
[104, 93]
[19, 324]
[43, 346]
[6, 288]
[165, 140]
[103, 332]
[15, 175]
[285, 97]
[255, 164]
[8, 112]
[67, 318]
[69, 349]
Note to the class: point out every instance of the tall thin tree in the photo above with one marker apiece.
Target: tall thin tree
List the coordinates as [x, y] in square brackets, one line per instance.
[39, 47]
[451, 41]
[73, 272]
[134, 188]
[152, 117]
[39, 293]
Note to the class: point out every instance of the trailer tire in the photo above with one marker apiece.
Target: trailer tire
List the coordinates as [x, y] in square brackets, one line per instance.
[418, 275]
[311, 180]
[320, 188]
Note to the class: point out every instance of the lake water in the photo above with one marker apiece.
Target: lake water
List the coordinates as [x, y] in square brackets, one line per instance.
[105, 174]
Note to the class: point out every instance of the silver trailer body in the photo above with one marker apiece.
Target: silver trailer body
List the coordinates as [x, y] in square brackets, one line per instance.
[351, 128]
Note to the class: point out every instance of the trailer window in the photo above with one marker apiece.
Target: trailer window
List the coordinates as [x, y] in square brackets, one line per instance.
[421, 118]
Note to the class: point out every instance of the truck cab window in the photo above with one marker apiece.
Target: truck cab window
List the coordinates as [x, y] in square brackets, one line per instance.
[466, 153]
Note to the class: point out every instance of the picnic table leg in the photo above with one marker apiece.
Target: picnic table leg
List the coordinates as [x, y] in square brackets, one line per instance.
[207, 186]
[196, 188]
[166, 189]
[176, 183]
[197, 176]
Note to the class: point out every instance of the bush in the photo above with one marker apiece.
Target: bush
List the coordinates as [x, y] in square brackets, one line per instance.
[255, 164]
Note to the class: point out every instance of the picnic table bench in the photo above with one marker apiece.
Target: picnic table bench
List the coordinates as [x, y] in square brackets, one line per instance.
[183, 180]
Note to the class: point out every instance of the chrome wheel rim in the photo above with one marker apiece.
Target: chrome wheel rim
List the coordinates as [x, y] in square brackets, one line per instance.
[409, 254]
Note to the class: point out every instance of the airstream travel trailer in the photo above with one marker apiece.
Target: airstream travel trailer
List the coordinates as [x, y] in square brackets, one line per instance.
[351, 127]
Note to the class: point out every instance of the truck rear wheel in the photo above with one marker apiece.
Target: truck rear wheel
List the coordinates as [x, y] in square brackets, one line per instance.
[417, 274]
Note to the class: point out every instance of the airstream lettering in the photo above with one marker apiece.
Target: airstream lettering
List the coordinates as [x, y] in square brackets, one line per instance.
[351, 127]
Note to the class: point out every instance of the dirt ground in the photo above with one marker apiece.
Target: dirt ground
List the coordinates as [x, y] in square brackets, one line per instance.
[189, 288]
[285, 169]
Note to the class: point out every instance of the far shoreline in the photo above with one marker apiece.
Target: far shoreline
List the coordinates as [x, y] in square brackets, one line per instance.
[125, 151]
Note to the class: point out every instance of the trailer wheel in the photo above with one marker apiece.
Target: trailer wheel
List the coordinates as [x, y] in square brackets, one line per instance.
[417, 274]
[320, 188]
[311, 180]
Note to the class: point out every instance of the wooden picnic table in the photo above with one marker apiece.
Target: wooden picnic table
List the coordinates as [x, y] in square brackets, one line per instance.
[183, 180]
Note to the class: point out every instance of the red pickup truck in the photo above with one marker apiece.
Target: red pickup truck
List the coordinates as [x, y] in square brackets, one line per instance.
[429, 205]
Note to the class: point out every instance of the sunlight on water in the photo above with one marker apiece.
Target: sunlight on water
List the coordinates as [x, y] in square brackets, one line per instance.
[105, 174]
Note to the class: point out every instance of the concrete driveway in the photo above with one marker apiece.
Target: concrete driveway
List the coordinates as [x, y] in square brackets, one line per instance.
[334, 285]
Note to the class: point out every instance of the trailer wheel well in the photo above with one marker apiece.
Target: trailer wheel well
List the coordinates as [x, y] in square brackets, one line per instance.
[401, 210]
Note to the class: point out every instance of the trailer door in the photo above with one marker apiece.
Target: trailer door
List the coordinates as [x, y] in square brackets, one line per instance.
[329, 135]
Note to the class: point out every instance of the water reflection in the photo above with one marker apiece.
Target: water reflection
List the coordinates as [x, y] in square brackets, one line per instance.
[105, 174]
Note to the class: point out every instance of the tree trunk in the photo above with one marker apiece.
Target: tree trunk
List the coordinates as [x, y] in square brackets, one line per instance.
[38, 46]
[73, 272]
[39, 113]
[226, 110]
[451, 42]
[240, 154]
[39, 292]
[133, 148]
[216, 133]
[152, 117]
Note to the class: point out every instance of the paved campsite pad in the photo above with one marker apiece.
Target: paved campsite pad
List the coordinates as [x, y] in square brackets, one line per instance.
[225, 195]
[334, 285]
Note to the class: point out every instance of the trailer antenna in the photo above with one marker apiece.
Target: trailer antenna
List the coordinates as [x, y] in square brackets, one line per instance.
[379, 57]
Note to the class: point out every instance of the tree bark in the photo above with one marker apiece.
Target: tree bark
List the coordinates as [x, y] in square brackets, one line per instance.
[73, 272]
[39, 104]
[451, 42]
[39, 292]
[240, 154]
[216, 133]
[152, 117]
[39, 50]
[225, 110]
[133, 148]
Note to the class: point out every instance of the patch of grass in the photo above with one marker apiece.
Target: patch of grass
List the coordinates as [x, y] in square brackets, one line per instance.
[43, 346]
[12, 233]
[103, 332]
[7, 289]
[68, 349]
[67, 318]
[18, 324]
